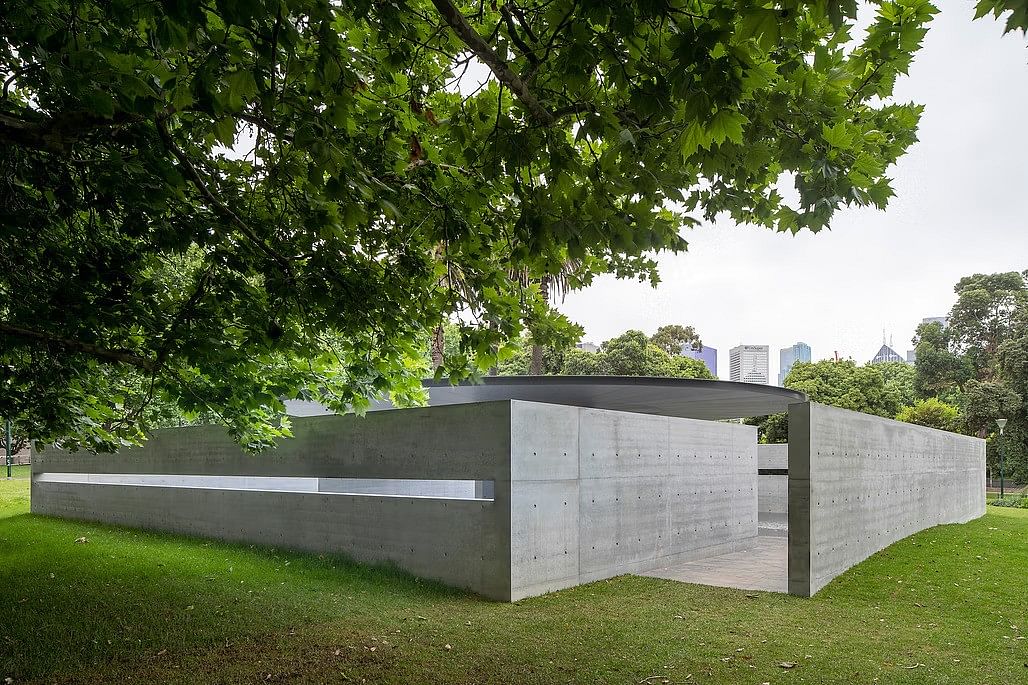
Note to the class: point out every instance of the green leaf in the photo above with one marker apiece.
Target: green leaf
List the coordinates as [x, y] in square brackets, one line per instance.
[760, 24]
[100, 103]
[837, 136]
[225, 131]
[727, 125]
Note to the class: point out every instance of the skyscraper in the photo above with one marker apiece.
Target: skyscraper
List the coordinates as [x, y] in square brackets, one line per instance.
[800, 352]
[887, 354]
[707, 355]
[749, 364]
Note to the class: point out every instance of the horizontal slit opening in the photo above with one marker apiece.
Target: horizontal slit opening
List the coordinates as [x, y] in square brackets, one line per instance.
[377, 487]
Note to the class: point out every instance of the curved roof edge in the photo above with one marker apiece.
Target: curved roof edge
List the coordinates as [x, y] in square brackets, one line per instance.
[679, 397]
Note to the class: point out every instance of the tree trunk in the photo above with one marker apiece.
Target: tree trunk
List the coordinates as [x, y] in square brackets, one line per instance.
[437, 347]
[494, 369]
[536, 369]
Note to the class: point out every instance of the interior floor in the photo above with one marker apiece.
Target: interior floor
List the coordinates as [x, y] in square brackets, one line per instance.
[762, 566]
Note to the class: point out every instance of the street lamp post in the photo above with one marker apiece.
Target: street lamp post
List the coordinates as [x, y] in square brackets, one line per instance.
[1002, 424]
[10, 457]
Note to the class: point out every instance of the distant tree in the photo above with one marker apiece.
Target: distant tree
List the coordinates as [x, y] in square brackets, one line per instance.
[933, 413]
[982, 402]
[899, 379]
[629, 354]
[520, 363]
[686, 367]
[583, 363]
[983, 316]
[672, 337]
[868, 389]
[848, 386]
[632, 354]
[19, 437]
[771, 429]
[939, 371]
[979, 362]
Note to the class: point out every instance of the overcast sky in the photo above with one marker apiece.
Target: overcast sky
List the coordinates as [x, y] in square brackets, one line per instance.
[961, 207]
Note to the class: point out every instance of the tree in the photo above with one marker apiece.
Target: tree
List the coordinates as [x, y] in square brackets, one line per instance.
[939, 371]
[978, 362]
[1016, 12]
[242, 202]
[632, 354]
[848, 386]
[983, 315]
[869, 389]
[583, 363]
[899, 380]
[672, 338]
[521, 361]
[933, 413]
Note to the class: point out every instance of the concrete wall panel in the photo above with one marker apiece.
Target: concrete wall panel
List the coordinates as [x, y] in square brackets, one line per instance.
[651, 491]
[459, 542]
[858, 483]
[773, 456]
[452, 442]
[465, 543]
[621, 445]
[773, 495]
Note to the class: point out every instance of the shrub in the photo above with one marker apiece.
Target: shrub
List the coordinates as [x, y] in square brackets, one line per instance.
[933, 413]
[1017, 503]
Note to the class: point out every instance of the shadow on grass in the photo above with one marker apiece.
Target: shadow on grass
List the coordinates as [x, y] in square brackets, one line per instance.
[70, 604]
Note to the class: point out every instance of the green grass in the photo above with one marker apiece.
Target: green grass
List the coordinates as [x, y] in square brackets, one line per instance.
[21, 472]
[1010, 492]
[944, 606]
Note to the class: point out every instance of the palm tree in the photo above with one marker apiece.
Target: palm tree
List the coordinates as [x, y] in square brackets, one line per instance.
[559, 283]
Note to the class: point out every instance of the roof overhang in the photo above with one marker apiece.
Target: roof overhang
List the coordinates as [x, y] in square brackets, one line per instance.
[687, 398]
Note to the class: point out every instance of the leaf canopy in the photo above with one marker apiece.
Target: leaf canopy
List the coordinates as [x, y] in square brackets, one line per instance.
[225, 204]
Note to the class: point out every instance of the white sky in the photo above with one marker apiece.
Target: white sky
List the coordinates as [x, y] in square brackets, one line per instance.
[961, 208]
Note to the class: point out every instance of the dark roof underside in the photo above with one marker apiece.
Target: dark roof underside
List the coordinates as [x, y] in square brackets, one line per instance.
[697, 399]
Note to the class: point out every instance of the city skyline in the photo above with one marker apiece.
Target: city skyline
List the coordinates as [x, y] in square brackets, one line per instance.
[709, 355]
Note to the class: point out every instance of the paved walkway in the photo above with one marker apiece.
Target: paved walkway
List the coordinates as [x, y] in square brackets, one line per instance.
[764, 566]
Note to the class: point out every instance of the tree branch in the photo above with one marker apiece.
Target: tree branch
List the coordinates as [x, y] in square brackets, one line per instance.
[112, 355]
[515, 38]
[500, 69]
[58, 133]
[217, 205]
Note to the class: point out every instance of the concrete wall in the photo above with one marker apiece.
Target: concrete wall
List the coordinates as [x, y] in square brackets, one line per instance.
[598, 493]
[462, 542]
[858, 483]
[577, 494]
[773, 489]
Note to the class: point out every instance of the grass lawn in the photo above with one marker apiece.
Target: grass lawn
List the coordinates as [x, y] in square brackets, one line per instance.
[21, 472]
[945, 606]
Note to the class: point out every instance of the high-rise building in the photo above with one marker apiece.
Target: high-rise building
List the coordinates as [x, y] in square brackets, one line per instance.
[588, 347]
[800, 352]
[749, 364]
[941, 320]
[707, 355]
[887, 354]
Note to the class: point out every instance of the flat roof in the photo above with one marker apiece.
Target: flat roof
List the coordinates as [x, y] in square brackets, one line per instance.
[682, 397]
